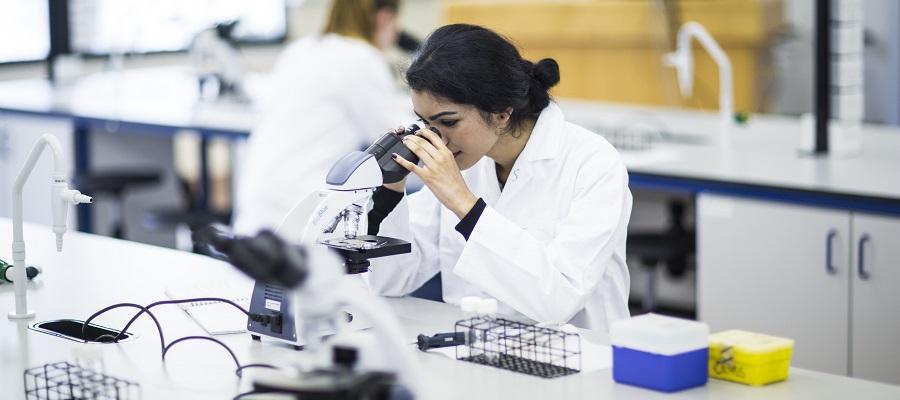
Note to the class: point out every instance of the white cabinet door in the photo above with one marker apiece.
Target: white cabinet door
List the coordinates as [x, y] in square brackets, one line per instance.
[765, 267]
[875, 312]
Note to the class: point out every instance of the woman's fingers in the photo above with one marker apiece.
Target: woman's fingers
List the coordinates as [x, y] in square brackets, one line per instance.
[422, 148]
[406, 164]
[432, 137]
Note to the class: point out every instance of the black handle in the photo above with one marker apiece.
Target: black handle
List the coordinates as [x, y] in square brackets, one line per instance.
[829, 251]
[862, 256]
[441, 340]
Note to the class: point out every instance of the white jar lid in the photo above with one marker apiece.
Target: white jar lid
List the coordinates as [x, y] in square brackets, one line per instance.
[469, 304]
[486, 307]
[658, 334]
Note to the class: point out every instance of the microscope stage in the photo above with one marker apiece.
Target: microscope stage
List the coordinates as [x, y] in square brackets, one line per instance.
[359, 250]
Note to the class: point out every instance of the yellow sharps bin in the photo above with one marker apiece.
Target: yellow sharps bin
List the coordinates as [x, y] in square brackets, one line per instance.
[750, 358]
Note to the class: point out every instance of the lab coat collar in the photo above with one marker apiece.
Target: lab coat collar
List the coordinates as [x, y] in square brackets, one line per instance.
[543, 144]
[544, 141]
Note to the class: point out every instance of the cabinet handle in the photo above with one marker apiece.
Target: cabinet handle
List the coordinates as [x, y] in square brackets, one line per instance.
[862, 256]
[829, 251]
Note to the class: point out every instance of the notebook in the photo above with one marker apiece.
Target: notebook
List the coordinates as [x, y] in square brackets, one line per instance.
[216, 318]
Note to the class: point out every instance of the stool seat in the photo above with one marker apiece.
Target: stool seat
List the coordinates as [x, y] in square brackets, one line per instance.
[672, 248]
[169, 217]
[653, 247]
[114, 182]
[192, 219]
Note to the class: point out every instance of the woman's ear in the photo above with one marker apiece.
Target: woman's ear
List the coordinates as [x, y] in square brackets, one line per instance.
[501, 119]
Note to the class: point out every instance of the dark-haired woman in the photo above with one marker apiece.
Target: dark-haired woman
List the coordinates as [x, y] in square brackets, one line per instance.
[520, 205]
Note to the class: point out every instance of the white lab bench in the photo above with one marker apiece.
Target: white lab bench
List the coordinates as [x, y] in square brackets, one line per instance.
[93, 272]
[779, 234]
[144, 104]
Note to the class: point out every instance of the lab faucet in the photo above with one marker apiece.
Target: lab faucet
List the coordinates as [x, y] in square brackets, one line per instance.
[683, 62]
[60, 199]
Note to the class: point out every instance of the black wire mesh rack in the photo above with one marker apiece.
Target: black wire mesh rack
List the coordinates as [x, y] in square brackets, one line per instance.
[519, 347]
[64, 380]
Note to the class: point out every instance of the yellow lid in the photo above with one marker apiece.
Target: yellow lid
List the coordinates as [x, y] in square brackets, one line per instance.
[749, 342]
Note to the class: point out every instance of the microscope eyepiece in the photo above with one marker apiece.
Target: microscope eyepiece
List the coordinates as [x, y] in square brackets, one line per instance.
[390, 143]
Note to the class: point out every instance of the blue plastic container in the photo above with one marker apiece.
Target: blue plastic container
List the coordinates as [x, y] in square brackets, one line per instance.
[659, 372]
[660, 353]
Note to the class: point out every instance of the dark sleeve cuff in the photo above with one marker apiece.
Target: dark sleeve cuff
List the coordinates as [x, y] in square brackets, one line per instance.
[467, 224]
[384, 201]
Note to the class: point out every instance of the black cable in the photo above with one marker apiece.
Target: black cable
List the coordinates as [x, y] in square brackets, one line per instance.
[198, 299]
[112, 338]
[240, 368]
[217, 341]
[151, 305]
[165, 302]
[243, 367]
[252, 392]
[164, 347]
[162, 340]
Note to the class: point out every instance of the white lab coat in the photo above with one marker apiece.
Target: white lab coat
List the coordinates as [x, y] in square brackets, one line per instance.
[549, 247]
[330, 95]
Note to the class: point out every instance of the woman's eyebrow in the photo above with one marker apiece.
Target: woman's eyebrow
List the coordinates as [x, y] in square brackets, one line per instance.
[435, 116]
[441, 114]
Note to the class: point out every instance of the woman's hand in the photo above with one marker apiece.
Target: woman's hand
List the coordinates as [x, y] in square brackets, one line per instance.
[399, 187]
[440, 172]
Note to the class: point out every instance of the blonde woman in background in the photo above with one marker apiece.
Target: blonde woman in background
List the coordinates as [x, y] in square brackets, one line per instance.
[331, 93]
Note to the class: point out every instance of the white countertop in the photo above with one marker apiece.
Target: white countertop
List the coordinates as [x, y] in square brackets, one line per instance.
[153, 96]
[764, 152]
[93, 272]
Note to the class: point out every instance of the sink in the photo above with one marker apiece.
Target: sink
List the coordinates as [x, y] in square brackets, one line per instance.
[72, 329]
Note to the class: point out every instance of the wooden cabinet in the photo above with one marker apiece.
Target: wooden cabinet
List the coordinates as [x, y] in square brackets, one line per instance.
[613, 50]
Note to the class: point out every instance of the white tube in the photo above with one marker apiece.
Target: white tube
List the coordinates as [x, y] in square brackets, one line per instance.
[18, 245]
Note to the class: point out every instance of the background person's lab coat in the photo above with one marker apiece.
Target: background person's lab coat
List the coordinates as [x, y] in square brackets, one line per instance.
[329, 95]
[550, 246]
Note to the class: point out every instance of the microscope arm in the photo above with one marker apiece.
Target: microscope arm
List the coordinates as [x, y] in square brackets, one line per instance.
[318, 212]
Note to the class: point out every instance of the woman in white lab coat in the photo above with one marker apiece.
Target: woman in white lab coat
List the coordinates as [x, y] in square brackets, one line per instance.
[331, 93]
[519, 205]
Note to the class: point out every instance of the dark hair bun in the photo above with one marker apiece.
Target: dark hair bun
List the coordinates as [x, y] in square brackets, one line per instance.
[546, 72]
[469, 64]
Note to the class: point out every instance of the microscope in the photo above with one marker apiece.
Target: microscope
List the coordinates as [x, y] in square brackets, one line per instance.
[302, 294]
[352, 365]
[336, 218]
[220, 67]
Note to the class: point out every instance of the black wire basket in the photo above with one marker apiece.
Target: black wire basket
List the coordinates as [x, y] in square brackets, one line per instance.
[63, 380]
[519, 347]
